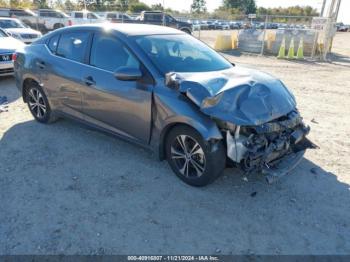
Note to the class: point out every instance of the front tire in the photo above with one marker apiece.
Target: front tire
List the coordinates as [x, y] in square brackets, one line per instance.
[192, 159]
[39, 105]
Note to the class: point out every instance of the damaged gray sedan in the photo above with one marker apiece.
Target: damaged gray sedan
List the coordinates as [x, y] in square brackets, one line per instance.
[165, 90]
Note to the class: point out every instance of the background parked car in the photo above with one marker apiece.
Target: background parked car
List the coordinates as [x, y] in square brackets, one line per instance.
[222, 25]
[204, 25]
[50, 19]
[27, 17]
[8, 46]
[18, 30]
[234, 25]
[156, 18]
[342, 28]
[117, 17]
[85, 17]
[211, 25]
[195, 25]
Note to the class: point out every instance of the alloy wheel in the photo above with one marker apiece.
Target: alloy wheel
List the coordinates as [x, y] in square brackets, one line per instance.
[37, 103]
[188, 156]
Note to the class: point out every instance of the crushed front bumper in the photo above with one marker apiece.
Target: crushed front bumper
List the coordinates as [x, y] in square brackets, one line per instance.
[285, 166]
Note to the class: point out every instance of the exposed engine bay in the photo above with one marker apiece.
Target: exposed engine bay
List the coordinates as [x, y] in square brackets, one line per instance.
[262, 148]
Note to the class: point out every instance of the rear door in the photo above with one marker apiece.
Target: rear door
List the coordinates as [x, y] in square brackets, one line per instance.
[63, 70]
[123, 107]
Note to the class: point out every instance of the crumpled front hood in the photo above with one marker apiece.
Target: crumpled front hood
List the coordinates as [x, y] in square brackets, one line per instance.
[238, 95]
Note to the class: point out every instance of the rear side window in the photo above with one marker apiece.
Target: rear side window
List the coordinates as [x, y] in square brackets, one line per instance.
[109, 53]
[113, 16]
[5, 13]
[44, 13]
[53, 42]
[78, 15]
[73, 45]
[19, 13]
[154, 17]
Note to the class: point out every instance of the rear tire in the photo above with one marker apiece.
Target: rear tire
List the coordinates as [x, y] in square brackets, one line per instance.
[38, 104]
[57, 26]
[186, 31]
[192, 159]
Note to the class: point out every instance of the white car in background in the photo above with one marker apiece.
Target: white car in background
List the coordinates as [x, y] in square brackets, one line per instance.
[85, 17]
[50, 19]
[8, 46]
[18, 30]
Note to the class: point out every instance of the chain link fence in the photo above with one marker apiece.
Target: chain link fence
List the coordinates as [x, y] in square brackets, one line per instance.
[264, 35]
[281, 36]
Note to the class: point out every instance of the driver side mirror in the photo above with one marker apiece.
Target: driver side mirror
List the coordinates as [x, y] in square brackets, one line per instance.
[126, 73]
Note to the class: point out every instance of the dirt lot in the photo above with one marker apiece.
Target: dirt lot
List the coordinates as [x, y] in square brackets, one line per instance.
[65, 189]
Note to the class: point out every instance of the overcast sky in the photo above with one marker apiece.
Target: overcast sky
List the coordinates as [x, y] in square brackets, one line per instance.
[344, 14]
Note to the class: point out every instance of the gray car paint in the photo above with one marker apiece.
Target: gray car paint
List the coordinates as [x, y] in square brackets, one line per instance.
[140, 112]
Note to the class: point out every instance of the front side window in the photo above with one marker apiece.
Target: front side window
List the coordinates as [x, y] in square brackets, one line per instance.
[109, 53]
[73, 45]
[181, 53]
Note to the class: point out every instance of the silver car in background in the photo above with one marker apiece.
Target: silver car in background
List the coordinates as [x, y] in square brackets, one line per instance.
[15, 28]
[8, 46]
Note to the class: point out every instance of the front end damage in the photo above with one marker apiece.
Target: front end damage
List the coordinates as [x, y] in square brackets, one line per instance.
[273, 149]
[255, 112]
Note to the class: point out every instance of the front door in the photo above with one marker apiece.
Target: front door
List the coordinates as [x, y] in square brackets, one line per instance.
[123, 107]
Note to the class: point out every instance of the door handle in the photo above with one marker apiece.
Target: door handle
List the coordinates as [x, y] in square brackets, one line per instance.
[41, 64]
[89, 81]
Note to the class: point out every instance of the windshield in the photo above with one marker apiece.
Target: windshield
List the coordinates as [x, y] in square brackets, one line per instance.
[181, 53]
[11, 24]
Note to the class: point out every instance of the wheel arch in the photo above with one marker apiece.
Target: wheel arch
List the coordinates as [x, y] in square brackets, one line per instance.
[25, 85]
[208, 133]
[186, 30]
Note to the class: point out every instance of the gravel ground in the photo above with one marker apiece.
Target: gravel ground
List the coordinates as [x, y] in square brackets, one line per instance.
[66, 189]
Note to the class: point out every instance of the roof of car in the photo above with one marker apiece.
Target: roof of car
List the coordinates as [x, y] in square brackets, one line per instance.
[133, 29]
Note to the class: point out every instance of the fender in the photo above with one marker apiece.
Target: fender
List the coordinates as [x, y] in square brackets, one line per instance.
[168, 112]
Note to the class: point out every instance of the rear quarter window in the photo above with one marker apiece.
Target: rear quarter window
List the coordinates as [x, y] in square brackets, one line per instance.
[53, 43]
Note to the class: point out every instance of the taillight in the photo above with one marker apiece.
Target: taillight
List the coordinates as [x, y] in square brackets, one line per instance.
[70, 22]
[14, 57]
